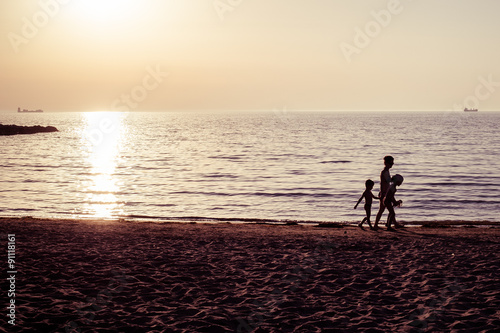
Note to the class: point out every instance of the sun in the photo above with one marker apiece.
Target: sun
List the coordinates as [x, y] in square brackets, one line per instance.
[119, 21]
[105, 11]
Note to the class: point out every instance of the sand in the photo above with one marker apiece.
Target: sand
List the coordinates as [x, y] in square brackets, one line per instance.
[149, 277]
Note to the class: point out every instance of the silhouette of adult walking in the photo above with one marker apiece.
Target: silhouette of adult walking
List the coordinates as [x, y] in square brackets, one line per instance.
[385, 182]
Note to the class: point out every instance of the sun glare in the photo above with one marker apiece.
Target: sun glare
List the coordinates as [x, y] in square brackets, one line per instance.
[102, 136]
[106, 11]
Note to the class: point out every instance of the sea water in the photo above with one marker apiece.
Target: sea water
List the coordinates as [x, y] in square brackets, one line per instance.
[303, 166]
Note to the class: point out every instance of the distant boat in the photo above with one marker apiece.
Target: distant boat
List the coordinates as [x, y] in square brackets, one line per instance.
[30, 111]
[470, 110]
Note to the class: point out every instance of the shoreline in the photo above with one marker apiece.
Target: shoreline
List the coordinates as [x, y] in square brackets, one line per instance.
[243, 221]
[197, 277]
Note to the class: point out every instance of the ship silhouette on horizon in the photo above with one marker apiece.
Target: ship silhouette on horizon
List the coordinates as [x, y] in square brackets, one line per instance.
[28, 111]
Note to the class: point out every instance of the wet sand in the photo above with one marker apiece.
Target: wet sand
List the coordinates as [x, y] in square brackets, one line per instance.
[172, 277]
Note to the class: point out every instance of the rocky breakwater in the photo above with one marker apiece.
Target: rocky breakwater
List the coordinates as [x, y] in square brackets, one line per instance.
[14, 129]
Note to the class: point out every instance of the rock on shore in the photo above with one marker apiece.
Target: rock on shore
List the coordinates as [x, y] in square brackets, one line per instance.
[14, 129]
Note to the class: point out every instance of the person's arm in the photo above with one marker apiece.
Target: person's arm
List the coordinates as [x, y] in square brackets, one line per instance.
[374, 197]
[393, 199]
[359, 201]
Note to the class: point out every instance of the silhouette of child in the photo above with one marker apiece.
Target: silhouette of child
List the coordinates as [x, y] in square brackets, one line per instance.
[390, 202]
[368, 195]
[385, 182]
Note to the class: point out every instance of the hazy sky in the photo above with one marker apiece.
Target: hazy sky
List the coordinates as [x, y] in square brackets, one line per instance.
[89, 55]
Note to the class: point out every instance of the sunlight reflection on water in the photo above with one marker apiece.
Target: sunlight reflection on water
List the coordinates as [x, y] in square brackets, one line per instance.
[102, 138]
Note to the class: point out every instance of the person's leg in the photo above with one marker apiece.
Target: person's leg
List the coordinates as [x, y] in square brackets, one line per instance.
[379, 214]
[397, 225]
[390, 217]
[360, 224]
[368, 210]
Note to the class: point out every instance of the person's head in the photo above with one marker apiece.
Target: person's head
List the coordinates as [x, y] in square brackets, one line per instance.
[397, 180]
[389, 161]
[369, 184]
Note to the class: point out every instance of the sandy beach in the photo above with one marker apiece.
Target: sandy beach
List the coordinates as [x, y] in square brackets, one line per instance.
[89, 276]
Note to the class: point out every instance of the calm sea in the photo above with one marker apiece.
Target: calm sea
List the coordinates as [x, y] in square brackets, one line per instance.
[297, 166]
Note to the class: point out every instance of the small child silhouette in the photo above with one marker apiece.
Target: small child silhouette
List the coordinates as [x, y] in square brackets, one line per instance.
[390, 201]
[368, 195]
